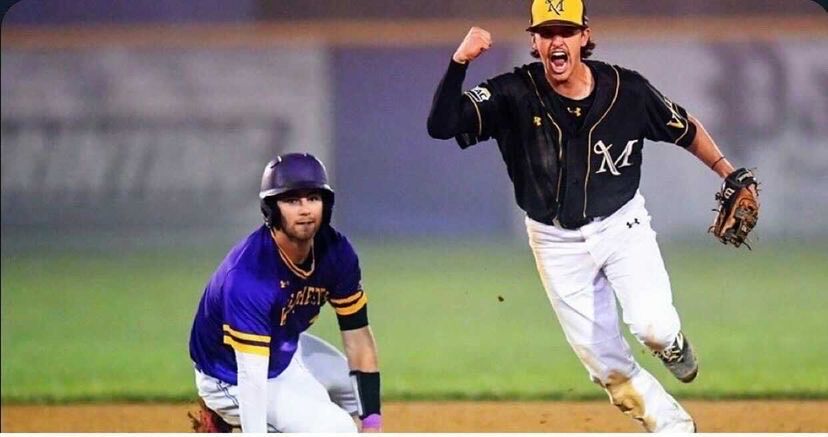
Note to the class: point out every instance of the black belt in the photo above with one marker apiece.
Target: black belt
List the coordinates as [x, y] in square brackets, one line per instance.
[570, 225]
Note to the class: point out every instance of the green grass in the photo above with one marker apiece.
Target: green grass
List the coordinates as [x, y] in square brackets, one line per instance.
[96, 324]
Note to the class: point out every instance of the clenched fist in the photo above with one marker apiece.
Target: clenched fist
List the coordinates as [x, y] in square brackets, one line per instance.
[476, 42]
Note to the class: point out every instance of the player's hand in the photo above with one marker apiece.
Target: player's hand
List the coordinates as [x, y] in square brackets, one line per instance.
[372, 423]
[474, 44]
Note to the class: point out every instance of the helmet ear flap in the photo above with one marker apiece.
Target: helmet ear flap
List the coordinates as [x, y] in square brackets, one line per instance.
[327, 208]
[270, 211]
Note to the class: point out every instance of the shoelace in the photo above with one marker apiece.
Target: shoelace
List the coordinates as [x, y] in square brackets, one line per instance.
[674, 352]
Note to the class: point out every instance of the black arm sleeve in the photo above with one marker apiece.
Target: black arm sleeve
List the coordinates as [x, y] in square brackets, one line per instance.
[355, 320]
[447, 117]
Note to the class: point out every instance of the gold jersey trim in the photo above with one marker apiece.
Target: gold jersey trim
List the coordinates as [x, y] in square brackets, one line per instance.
[243, 336]
[294, 268]
[589, 137]
[347, 300]
[357, 305]
[248, 348]
[684, 122]
[560, 139]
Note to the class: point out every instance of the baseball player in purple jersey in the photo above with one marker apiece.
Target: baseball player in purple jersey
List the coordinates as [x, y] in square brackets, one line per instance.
[245, 340]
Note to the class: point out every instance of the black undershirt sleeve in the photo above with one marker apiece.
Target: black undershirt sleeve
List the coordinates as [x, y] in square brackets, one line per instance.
[451, 112]
[353, 321]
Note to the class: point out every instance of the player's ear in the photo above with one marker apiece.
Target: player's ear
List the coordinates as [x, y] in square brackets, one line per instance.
[533, 47]
[585, 34]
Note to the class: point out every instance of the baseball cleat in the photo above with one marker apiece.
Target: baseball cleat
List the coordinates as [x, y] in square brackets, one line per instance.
[680, 359]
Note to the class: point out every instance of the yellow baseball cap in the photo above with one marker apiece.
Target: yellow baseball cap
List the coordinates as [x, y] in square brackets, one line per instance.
[558, 13]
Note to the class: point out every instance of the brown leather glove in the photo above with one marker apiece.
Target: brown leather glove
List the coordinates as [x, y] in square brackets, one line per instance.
[207, 420]
[738, 209]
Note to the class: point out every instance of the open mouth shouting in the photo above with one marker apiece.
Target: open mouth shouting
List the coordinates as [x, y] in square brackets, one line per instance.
[558, 61]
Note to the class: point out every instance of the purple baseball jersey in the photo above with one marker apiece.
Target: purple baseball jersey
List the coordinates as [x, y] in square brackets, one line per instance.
[258, 301]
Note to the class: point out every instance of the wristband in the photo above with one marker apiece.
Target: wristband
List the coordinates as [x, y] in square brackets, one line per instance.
[367, 389]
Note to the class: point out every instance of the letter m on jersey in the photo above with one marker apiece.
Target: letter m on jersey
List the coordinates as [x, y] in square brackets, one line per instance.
[622, 161]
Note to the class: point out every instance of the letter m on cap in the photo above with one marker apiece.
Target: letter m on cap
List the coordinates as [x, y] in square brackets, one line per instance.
[556, 6]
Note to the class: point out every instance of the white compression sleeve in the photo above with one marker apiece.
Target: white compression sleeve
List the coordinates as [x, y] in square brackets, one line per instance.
[252, 379]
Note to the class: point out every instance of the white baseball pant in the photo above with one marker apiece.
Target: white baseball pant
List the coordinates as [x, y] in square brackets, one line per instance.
[584, 271]
[313, 394]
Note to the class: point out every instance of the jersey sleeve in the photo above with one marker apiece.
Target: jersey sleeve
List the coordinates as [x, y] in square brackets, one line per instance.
[481, 107]
[347, 297]
[665, 120]
[468, 117]
[247, 305]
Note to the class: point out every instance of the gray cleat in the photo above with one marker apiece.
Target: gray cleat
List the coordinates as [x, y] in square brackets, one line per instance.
[680, 359]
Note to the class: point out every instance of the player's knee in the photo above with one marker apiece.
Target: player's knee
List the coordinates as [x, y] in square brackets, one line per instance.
[655, 334]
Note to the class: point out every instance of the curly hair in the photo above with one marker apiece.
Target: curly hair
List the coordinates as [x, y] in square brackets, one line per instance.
[586, 51]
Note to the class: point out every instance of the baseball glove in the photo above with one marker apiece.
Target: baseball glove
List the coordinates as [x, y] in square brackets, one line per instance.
[206, 420]
[738, 209]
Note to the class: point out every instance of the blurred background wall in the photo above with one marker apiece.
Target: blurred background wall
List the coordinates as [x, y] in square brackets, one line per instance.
[161, 115]
[40, 12]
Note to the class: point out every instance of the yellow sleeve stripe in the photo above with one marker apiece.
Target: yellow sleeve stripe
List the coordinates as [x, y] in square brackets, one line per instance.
[243, 336]
[347, 300]
[241, 347]
[356, 306]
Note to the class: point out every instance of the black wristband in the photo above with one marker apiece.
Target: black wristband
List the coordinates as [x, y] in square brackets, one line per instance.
[367, 389]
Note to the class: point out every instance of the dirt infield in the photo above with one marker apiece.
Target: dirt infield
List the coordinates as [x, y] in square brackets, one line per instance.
[711, 416]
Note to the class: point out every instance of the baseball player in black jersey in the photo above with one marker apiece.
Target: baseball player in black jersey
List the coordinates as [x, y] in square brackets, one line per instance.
[571, 132]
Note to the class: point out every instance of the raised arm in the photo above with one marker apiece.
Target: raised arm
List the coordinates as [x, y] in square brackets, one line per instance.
[446, 118]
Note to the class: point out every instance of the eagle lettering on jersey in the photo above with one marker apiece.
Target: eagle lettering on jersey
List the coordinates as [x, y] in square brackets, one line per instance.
[613, 164]
[306, 296]
[555, 6]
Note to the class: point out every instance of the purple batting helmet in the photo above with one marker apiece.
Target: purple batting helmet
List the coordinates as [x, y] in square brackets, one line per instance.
[290, 172]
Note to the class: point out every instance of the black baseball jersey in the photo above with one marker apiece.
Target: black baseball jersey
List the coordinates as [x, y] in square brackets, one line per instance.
[570, 160]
